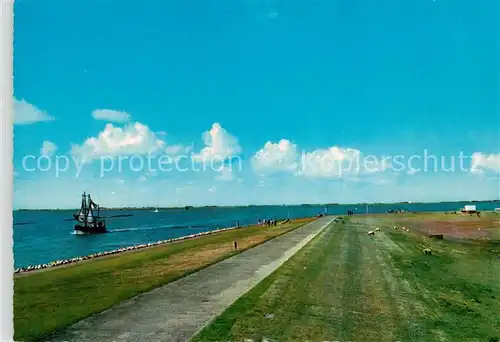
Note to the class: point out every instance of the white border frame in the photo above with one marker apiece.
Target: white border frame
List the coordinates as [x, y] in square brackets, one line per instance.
[6, 168]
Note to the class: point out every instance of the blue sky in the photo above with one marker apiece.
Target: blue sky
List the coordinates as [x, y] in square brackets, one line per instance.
[332, 80]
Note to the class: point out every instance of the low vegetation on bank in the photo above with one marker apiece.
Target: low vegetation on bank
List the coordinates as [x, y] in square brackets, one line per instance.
[346, 285]
[47, 301]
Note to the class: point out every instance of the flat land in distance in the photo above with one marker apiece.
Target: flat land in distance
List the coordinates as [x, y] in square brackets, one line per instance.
[47, 301]
[346, 285]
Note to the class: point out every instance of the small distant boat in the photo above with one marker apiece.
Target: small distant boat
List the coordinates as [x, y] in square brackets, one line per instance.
[88, 218]
[155, 211]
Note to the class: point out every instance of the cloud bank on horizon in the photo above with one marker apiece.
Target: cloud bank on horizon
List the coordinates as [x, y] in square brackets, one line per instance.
[261, 114]
[271, 164]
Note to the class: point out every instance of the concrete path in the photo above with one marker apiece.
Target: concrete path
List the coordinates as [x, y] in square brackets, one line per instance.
[178, 310]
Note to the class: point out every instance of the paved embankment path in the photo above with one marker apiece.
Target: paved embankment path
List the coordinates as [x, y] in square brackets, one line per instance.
[176, 311]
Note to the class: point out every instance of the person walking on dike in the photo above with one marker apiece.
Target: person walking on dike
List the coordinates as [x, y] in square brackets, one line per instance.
[236, 245]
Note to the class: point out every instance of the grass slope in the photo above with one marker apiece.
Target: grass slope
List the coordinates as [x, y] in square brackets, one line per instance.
[348, 286]
[47, 301]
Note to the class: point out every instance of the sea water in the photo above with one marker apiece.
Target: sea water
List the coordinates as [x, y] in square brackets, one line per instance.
[44, 236]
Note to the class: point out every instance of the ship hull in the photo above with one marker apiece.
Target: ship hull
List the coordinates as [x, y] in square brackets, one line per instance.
[97, 229]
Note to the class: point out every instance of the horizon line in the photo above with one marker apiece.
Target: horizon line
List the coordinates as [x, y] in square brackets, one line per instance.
[261, 205]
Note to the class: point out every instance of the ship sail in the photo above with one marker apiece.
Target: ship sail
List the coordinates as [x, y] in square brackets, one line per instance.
[90, 217]
[90, 214]
[82, 213]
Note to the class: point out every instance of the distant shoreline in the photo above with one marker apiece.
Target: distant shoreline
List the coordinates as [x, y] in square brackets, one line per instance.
[263, 205]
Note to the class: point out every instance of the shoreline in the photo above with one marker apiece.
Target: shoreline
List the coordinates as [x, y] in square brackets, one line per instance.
[66, 262]
[41, 297]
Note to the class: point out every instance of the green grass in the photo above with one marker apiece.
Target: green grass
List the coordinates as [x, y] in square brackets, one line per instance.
[460, 284]
[347, 286]
[50, 300]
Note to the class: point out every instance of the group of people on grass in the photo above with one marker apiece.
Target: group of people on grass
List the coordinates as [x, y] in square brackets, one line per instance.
[268, 222]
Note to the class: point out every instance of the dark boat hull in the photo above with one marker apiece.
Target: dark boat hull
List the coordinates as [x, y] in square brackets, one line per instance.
[97, 229]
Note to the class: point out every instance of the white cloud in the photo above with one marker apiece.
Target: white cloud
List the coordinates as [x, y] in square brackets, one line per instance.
[212, 189]
[111, 115]
[142, 179]
[26, 113]
[152, 173]
[178, 149]
[220, 145]
[274, 157]
[337, 162]
[48, 148]
[481, 162]
[226, 174]
[132, 139]
[374, 164]
[333, 162]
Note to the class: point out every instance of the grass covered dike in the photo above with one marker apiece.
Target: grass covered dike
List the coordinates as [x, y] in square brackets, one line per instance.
[348, 286]
[52, 299]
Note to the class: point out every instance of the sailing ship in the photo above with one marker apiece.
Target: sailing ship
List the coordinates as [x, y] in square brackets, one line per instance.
[89, 221]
